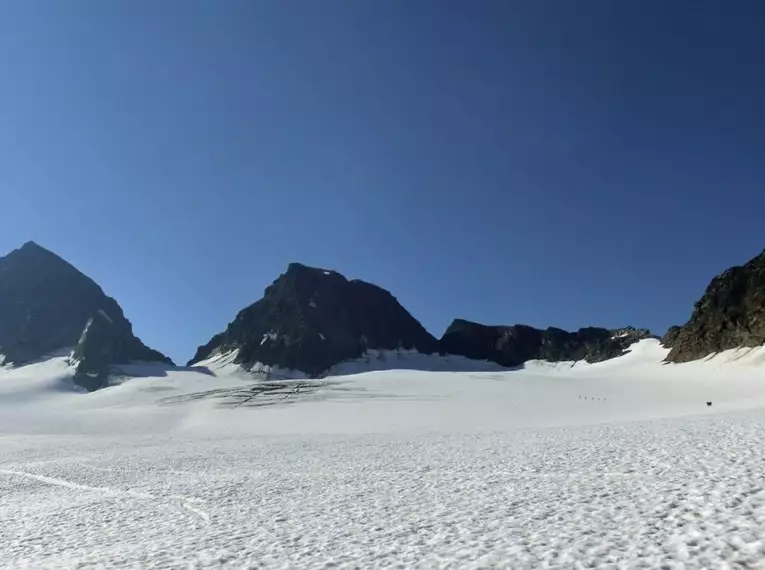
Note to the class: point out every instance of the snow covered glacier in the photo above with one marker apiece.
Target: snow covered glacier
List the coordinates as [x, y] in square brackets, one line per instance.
[620, 464]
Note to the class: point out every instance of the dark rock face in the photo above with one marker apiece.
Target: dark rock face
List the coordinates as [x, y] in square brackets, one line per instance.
[514, 345]
[670, 338]
[310, 319]
[730, 314]
[46, 305]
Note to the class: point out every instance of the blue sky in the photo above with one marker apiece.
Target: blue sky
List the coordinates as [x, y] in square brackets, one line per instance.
[551, 163]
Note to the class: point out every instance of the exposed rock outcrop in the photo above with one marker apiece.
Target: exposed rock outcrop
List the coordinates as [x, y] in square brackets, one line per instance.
[670, 338]
[310, 319]
[46, 305]
[514, 345]
[730, 314]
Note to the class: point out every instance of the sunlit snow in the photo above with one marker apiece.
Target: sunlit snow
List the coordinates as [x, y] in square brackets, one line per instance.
[427, 462]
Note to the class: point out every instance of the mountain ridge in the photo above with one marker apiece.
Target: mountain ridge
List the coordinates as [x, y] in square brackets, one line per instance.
[290, 328]
[312, 319]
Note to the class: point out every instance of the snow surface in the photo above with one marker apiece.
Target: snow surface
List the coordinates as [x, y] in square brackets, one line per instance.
[619, 464]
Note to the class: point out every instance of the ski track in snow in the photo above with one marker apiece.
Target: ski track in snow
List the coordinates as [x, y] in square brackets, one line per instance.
[70, 485]
[184, 502]
[653, 494]
[188, 504]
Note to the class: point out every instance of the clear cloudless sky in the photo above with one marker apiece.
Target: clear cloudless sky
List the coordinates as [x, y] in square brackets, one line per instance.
[567, 163]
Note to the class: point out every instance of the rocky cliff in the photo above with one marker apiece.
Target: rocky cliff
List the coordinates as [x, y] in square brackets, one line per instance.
[730, 314]
[310, 319]
[514, 345]
[46, 305]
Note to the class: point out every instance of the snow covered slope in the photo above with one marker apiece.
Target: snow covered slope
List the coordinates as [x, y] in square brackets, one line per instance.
[619, 464]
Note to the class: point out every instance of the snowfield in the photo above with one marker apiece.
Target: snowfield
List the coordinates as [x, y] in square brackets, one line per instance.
[570, 465]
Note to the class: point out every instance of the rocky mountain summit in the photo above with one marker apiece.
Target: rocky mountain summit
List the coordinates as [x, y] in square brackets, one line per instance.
[46, 306]
[730, 314]
[514, 345]
[310, 319]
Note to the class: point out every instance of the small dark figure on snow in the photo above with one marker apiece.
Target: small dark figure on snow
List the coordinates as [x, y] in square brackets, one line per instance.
[709, 403]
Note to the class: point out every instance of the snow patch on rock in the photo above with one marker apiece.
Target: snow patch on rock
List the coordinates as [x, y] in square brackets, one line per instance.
[105, 315]
[269, 336]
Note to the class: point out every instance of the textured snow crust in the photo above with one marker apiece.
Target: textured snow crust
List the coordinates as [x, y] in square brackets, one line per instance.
[614, 465]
